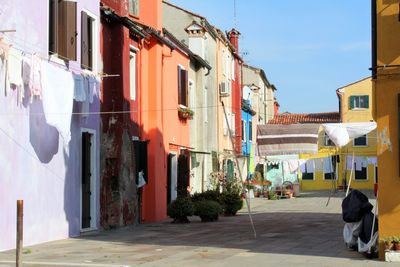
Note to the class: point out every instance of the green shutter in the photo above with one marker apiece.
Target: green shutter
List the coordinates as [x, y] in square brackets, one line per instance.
[366, 101]
[351, 100]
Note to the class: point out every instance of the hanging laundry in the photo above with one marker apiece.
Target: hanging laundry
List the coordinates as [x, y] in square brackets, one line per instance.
[293, 165]
[92, 88]
[319, 166]
[310, 166]
[4, 52]
[364, 162]
[79, 88]
[349, 162]
[372, 160]
[285, 166]
[328, 165]
[58, 97]
[302, 164]
[358, 162]
[35, 78]
[15, 72]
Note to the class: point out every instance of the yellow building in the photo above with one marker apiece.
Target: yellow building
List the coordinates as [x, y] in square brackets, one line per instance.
[386, 79]
[357, 104]
[316, 173]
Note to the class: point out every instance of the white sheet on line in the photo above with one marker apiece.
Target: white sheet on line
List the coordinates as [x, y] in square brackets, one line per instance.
[342, 133]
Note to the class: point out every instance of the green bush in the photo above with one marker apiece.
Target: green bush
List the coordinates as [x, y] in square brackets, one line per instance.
[231, 202]
[208, 210]
[206, 195]
[180, 209]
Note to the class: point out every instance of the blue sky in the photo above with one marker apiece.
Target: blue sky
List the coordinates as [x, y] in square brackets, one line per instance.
[307, 48]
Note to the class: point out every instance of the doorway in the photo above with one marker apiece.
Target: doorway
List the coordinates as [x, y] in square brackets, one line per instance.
[88, 184]
[172, 179]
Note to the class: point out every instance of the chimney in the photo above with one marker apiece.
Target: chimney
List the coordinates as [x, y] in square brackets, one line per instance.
[276, 107]
[233, 36]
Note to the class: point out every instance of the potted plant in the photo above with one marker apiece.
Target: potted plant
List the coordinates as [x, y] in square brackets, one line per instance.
[180, 209]
[396, 243]
[207, 210]
[388, 241]
[185, 113]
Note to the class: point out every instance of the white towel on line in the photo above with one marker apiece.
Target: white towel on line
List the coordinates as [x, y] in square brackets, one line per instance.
[57, 95]
[328, 165]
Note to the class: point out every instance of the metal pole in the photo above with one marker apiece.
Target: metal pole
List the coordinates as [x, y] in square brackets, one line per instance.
[351, 174]
[239, 170]
[20, 215]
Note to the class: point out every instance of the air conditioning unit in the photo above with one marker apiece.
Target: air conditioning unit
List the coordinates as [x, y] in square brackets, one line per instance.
[224, 89]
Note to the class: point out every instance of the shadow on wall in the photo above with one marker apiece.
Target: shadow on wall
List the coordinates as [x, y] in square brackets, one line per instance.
[43, 137]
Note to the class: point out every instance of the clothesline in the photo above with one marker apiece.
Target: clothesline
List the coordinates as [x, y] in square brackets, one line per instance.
[16, 45]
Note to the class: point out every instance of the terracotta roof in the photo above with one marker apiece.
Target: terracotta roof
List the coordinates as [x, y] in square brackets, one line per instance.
[289, 118]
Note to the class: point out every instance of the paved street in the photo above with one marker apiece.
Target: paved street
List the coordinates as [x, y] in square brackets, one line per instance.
[294, 232]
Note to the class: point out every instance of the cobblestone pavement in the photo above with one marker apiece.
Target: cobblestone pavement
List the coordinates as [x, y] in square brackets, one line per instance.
[290, 232]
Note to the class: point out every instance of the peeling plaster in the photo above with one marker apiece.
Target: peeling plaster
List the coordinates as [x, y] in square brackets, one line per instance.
[384, 142]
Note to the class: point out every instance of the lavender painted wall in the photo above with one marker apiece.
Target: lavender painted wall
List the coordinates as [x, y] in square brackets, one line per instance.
[34, 163]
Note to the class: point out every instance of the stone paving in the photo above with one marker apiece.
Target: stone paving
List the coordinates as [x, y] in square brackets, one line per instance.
[290, 232]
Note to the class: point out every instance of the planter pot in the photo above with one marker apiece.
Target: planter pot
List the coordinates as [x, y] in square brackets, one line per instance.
[256, 194]
[396, 246]
[266, 194]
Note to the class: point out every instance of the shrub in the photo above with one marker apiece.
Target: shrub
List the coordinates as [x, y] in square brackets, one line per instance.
[231, 202]
[180, 209]
[206, 195]
[208, 210]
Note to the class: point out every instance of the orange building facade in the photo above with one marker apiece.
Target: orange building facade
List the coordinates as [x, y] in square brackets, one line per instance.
[140, 122]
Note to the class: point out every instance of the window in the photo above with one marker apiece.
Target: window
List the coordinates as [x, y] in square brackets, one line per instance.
[329, 171]
[62, 29]
[243, 130]
[250, 130]
[223, 62]
[205, 104]
[182, 86]
[328, 141]
[307, 176]
[134, 7]
[233, 129]
[360, 101]
[88, 40]
[132, 74]
[360, 174]
[360, 141]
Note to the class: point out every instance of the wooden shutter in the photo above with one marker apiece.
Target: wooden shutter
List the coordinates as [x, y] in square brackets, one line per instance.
[179, 85]
[67, 29]
[366, 101]
[184, 77]
[351, 100]
[84, 40]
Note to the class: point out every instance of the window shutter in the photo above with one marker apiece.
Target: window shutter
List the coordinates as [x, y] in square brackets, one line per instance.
[84, 40]
[366, 101]
[180, 85]
[67, 29]
[183, 86]
[351, 100]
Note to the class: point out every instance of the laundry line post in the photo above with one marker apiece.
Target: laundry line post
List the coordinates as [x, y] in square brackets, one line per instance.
[239, 170]
[19, 241]
[351, 174]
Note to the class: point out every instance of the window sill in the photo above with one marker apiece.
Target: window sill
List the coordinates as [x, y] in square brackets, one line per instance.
[359, 109]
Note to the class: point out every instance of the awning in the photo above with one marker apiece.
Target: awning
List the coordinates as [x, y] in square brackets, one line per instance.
[342, 133]
[273, 139]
